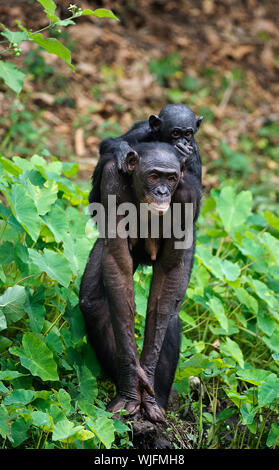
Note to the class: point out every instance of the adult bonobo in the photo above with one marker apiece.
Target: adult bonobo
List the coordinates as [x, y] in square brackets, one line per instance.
[153, 174]
[176, 125]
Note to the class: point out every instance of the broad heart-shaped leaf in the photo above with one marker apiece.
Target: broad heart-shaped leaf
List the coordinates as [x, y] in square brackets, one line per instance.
[12, 76]
[54, 264]
[24, 210]
[248, 300]
[76, 251]
[253, 376]
[43, 197]
[231, 348]
[56, 221]
[12, 303]
[268, 390]
[19, 397]
[36, 357]
[14, 36]
[234, 209]
[216, 307]
[87, 383]
[103, 428]
[49, 9]
[100, 13]
[222, 269]
[64, 429]
[53, 46]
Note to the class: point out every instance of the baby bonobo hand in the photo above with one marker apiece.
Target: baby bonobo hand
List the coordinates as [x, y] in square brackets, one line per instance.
[184, 149]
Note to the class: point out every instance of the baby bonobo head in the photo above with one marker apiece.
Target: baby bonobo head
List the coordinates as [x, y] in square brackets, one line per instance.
[155, 169]
[175, 124]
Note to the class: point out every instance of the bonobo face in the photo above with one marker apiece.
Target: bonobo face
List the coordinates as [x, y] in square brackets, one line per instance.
[175, 124]
[155, 175]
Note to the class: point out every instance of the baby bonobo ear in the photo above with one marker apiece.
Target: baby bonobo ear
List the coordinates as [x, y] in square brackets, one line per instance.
[198, 122]
[131, 160]
[155, 122]
[183, 166]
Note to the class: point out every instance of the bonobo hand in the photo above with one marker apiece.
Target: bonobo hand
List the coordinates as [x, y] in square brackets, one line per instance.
[120, 155]
[184, 149]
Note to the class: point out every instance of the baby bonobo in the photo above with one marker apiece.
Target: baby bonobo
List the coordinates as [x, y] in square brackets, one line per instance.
[175, 125]
[153, 172]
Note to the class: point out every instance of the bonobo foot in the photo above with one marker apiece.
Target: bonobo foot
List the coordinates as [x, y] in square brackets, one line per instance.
[121, 402]
[153, 411]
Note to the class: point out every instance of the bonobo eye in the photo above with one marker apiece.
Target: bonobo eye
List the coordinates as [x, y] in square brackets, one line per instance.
[188, 134]
[176, 134]
[172, 179]
[153, 177]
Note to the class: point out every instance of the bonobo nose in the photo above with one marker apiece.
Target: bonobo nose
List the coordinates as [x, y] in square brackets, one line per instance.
[162, 191]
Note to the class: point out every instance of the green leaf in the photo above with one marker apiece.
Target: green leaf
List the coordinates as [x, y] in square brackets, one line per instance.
[55, 220]
[253, 376]
[19, 397]
[25, 211]
[36, 357]
[12, 303]
[272, 220]
[14, 36]
[232, 348]
[100, 13]
[140, 299]
[19, 431]
[9, 374]
[41, 419]
[76, 252]
[248, 300]
[64, 429]
[87, 383]
[53, 264]
[268, 390]
[3, 322]
[273, 436]
[263, 292]
[5, 343]
[104, 430]
[216, 307]
[248, 413]
[43, 197]
[49, 9]
[234, 209]
[273, 341]
[4, 422]
[53, 46]
[12, 76]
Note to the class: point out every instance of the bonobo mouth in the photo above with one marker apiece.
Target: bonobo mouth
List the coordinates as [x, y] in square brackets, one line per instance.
[158, 207]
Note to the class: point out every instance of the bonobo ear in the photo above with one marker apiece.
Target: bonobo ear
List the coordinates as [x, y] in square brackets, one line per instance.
[182, 166]
[198, 122]
[155, 122]
[131, 160]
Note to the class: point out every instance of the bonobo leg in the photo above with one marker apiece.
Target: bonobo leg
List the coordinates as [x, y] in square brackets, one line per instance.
[94, 306]
[169, 282]
[117, 268]
[169, 354]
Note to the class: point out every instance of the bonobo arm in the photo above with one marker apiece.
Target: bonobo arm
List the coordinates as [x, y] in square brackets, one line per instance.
[117, 270]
